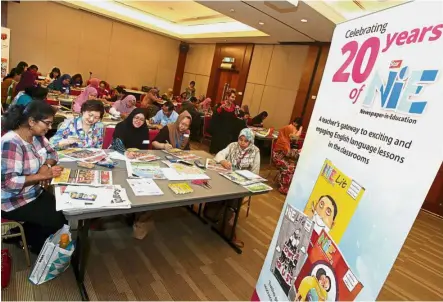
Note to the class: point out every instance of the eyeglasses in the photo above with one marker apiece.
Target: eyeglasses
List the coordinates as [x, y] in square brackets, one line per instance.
[47, 123]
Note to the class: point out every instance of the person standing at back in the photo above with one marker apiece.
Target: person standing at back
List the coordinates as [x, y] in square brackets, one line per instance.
[223, 124]
[190, 90]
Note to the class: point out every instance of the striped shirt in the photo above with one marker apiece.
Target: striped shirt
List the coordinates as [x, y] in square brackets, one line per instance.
[20, 159]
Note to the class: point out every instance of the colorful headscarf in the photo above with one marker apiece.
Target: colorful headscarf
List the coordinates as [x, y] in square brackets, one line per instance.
[243, 158]
[122, 105]
[83, 97]
[248, 134]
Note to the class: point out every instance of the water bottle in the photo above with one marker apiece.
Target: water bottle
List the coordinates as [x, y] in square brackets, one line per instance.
[67, 91]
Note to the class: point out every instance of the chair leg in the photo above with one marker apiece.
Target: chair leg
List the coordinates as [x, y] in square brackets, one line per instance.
[25, 244]
[249, 205]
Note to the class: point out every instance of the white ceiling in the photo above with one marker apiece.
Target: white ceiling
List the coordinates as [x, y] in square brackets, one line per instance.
[215, 21]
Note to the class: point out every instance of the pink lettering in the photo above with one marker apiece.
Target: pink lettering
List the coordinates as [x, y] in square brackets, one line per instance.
[389, 40]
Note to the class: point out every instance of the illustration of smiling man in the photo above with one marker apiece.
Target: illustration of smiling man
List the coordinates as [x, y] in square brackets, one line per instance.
[323, 213]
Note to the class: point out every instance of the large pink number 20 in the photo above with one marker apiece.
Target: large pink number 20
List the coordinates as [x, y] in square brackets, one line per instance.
[373, 44]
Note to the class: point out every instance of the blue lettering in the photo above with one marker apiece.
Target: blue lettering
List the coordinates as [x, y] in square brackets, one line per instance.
[401, 90]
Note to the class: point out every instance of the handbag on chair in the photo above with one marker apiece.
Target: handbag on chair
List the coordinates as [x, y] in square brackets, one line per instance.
[6, 268]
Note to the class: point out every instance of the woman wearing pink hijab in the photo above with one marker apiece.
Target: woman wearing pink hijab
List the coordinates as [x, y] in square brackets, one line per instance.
[94, 82]
[205, 105]
[87, 94]
[124, 107]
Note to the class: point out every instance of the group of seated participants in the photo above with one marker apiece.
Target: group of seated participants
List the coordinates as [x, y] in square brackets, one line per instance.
[30, 161]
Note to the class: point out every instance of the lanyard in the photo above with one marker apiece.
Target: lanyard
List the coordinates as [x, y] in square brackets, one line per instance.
[178, 141]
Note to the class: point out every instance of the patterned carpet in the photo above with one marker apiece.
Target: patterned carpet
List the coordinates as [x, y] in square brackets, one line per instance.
[182, 259]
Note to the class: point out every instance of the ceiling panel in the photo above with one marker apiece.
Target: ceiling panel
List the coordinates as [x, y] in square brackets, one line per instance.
[180, 12]
[249, 15]
[318, 27]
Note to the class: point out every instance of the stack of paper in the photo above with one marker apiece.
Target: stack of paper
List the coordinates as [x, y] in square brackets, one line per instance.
[144, 187]
[70, 198]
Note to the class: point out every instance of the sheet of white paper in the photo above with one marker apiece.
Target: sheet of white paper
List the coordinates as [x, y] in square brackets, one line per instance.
[144, 187]
[66, 159]
[248, 174]
[116, 155]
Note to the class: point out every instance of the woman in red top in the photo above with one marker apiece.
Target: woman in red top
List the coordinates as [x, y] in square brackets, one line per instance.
[103, 90]
[225, 126]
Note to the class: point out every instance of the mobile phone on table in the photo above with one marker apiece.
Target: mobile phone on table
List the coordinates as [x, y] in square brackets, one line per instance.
[171, 158]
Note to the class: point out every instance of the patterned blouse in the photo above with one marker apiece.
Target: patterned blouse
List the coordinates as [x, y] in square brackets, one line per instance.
[74, 128]
[19, 159]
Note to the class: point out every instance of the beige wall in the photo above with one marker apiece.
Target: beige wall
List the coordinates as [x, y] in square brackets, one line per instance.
[273, 81]
[48, 34]
[198, 67]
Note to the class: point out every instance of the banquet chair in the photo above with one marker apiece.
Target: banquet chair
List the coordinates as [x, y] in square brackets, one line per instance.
[10, 224]
[206, 124]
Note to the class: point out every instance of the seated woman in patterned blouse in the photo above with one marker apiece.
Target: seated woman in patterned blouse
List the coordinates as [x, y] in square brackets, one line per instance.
[28, 165]
[84, 131]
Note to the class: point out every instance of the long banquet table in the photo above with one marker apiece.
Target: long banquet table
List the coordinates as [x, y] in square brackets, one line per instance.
[222, 189]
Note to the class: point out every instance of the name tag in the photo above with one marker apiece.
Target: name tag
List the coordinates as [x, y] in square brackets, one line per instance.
[186, 135]
[145, 142]
[43, 153]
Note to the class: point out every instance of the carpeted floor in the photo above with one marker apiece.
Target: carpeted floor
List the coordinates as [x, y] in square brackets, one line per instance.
[182, 259]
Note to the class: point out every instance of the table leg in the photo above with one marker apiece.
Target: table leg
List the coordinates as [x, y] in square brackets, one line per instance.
[80, 256]
[234, 226]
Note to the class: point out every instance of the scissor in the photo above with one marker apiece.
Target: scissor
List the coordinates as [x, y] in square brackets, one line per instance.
[203, 183]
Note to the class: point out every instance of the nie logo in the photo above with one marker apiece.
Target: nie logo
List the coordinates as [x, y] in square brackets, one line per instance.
[402, 90]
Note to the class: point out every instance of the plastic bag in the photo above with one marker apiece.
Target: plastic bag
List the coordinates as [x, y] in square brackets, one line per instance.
[52, 260]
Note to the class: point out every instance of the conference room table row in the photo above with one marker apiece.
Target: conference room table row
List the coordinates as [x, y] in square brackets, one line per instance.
[221, 189]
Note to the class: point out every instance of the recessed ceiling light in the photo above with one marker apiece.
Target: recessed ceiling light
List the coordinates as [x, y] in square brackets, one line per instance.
[261, 23]
[232, 10]
[304, 20]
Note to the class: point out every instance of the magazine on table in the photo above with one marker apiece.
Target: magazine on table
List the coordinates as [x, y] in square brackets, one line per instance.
[184, 155]
[140, 156]
[239, 179]
[144, 170]
[178, 171]
[83, 197]
[258, 187]
[85, 155]
[211, 164]
[249, 175]
[83, 177]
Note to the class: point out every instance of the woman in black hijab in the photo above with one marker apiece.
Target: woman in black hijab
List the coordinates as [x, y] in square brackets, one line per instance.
[133, 132]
